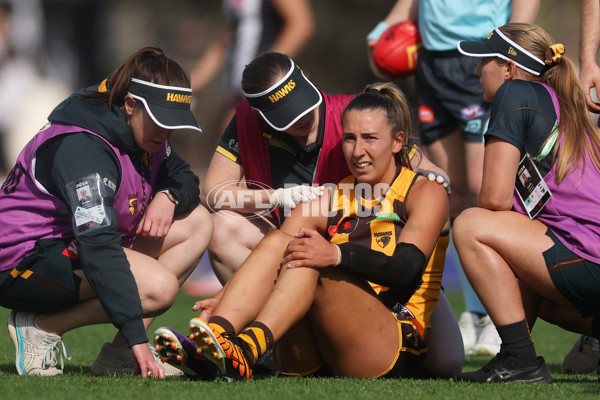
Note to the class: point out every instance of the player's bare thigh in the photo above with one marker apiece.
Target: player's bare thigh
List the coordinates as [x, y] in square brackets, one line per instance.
[351, 325]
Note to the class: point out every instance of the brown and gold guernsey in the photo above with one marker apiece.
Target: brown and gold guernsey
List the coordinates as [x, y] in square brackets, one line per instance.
[377, 224]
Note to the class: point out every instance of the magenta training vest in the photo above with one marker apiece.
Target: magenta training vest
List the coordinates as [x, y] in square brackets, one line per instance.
[573, 211]
[29, 213]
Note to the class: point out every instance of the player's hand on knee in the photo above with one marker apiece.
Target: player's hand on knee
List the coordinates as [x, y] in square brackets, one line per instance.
[309, 249]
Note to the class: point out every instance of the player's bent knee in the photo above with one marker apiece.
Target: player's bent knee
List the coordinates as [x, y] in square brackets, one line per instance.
[276, 239]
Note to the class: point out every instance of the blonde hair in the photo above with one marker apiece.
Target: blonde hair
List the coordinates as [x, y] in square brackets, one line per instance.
[575, 120]
[387, 97]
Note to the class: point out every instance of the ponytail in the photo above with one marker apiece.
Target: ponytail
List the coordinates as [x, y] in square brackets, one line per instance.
[563, 78]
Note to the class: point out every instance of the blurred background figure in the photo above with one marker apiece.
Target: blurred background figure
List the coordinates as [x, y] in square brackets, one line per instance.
[252, 27]
[72, 33]
[27, 96]
[589, 42]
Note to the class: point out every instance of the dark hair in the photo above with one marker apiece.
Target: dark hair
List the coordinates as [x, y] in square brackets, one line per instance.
[390, 99]
[149, 64]
[264, 70]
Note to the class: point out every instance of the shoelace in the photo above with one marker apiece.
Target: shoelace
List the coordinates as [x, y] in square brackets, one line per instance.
[154, 353]
[579, 343]
[492, 363]
[241, 344]
[234, 339]
[52, 349]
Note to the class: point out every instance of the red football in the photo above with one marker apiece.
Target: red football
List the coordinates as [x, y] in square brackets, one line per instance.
[395, 53]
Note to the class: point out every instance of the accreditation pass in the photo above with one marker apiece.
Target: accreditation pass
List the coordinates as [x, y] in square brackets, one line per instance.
[531, 187]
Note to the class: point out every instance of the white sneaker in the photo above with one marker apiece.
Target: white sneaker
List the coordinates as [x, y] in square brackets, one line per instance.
[36, 350]
[466, 324]
[112, 360]
[488, 340]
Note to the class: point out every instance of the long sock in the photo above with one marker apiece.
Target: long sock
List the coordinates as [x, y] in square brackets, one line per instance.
[221, 325]
[259, 338]
[516, 341]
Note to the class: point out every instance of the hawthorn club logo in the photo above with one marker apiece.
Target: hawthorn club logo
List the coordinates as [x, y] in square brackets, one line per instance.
[383, 238]
[133, 203]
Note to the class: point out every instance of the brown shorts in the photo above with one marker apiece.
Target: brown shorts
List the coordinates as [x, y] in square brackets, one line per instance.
[412, 350]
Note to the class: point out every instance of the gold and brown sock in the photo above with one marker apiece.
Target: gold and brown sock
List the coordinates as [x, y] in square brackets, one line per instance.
[221, 325]
[259, 339]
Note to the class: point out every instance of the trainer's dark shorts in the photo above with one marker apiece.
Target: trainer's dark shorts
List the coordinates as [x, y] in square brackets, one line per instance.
[44, 280]
[574, 277]
[450, 96]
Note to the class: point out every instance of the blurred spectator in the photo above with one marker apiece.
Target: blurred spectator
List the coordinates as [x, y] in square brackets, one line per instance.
[71, 40]
[589, 42]
[252, 27]
[20, 41]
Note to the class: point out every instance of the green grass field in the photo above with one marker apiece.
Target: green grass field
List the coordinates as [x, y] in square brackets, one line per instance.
[84, 344]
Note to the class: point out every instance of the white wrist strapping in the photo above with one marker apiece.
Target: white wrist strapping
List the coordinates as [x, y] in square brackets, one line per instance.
[339, 253]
